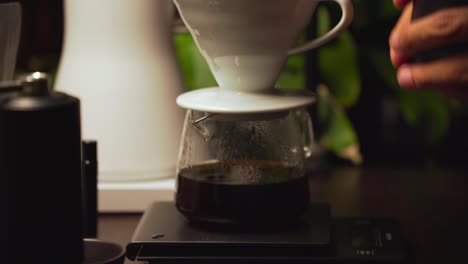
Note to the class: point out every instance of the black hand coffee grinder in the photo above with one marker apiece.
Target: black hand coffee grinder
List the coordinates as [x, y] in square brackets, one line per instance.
[40, 173]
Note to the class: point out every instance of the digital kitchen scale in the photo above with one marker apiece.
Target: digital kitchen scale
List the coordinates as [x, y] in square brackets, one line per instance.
[165, 236]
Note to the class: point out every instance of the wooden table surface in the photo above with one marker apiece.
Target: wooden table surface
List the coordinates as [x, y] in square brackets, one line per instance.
[431, 205]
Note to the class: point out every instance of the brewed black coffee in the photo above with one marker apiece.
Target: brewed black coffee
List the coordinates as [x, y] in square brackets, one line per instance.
[242, 193]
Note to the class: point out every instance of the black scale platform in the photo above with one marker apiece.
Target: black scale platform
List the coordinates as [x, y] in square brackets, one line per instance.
[164, 236]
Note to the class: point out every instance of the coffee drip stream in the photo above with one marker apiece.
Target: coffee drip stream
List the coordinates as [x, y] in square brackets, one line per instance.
[245, 143]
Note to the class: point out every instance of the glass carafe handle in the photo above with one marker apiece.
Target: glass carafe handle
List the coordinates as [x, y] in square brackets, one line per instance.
[306, 130]
[346, 18]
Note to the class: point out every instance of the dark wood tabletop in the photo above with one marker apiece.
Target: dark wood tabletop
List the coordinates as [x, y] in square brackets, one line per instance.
[431, 205]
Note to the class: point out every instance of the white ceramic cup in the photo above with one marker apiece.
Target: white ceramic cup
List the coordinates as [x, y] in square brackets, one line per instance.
[246, 42]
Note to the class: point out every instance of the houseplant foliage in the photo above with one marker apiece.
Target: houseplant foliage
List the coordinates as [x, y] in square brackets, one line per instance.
[345, 66]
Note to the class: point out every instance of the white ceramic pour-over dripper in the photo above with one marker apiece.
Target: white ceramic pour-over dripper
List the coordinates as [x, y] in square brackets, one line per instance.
[246, 44]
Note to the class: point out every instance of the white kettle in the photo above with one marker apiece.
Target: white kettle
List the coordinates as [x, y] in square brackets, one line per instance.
[118, 58]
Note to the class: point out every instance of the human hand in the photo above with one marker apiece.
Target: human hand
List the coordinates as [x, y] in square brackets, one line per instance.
[441, 29]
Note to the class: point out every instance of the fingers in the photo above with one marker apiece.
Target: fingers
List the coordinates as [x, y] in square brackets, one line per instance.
[400, 3]
[443, 28]
[398, 57]
[446, 72]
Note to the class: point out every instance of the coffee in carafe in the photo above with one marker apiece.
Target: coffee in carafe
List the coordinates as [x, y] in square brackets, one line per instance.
[244, 169]
[242, 192]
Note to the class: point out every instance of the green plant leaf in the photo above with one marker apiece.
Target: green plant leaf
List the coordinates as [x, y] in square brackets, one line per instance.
[381, 62]
[323, 20]
[195, 71]
[428, 111]
[293, 77]
[387, 9]
[368, 12]
[338, 64]
[339, 136]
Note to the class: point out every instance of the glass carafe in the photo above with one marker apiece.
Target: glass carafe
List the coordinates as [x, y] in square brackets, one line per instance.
[244, 169]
